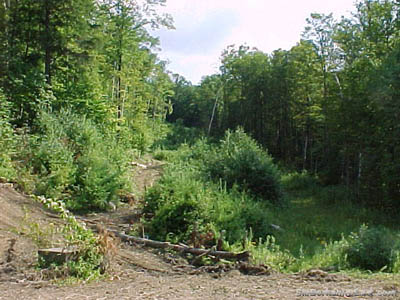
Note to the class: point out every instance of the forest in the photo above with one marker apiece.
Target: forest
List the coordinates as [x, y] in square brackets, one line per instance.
[293, 155]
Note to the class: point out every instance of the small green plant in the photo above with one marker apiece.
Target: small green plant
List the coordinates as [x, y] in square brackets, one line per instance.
[266, 252]
[177, 134]
[331, 257]
[181, 203]
[372, 249]
[97, 183]
[90, 250]
[53, 160]
[42, 236]
[177, 202]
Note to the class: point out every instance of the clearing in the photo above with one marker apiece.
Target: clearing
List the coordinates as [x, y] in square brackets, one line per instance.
[142, 273]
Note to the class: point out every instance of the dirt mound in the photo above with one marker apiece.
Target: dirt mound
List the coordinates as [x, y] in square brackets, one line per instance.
[18, 252]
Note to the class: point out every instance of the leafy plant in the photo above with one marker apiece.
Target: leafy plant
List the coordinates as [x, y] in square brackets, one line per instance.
[6, 139]
[183, 202]
[177, 203]
[239, 160]
[98, 181]
[90, 251]
[76, 162]
[299, 181]
[372, 249]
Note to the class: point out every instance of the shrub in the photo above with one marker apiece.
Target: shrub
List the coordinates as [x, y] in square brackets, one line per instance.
[98, 181]
[185, 197]
[92, 252]
[181, 202]
[238, 214]
[74, 160]
[54, 161]
[239, 160]
[267, 252]
[6, 139]
[298, 181]
[372, 249]
[331, 257]
[177, 135]
[177, 202]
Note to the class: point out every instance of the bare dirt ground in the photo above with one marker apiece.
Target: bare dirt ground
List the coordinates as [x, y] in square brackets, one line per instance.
[141, 273]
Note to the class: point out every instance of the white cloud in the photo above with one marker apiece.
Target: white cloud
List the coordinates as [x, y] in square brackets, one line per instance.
[205, 27]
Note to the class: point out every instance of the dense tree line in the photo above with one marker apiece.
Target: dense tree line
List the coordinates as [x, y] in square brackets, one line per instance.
[329, 105]
[82, 92]
[93, 56]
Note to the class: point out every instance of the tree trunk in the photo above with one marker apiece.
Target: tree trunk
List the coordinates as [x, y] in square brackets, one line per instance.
[48, 46]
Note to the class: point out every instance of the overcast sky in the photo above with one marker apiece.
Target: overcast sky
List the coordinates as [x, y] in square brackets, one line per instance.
[204, 28]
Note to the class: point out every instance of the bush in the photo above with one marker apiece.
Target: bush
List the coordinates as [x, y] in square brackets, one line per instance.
[181, 203]
[298, 181]
[177, 135]
[185, 199]
[239, 160]
[75, 161]
[331, 257]
[97, 182]
[177, 202]
[238, 214]
[6, 140]
[372, 249]
[54, 162]
[92, 250]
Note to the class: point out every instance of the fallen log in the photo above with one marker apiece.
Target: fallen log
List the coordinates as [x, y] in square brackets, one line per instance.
[242, 256]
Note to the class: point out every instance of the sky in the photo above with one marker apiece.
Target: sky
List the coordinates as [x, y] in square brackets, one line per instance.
[204, 28]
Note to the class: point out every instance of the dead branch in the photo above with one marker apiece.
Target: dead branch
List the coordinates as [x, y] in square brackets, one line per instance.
[181, 248]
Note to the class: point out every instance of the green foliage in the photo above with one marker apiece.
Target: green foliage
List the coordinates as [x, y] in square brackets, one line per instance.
[98, 180]
[239, 160]
[180, 203]
[90, 251]
[184, 200]
[372, 249]
[269, 253]
[299, 181]
[177, 202]
[53, 161]
[331, 257]
[238, 214]
[178, 134]
[7, 139]
[75, 161]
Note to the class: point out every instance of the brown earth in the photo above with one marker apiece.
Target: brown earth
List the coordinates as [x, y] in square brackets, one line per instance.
[141, 273]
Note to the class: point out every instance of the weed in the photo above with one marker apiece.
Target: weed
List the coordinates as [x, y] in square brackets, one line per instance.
[372, 249]
[90, 250]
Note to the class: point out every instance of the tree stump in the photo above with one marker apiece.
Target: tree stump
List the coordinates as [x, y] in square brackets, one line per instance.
[57, 256]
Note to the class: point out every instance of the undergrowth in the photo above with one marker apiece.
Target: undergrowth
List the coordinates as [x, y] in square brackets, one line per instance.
[72, 159]
[90, 252]
[198, 193]
[214, 187]
[7, 140]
